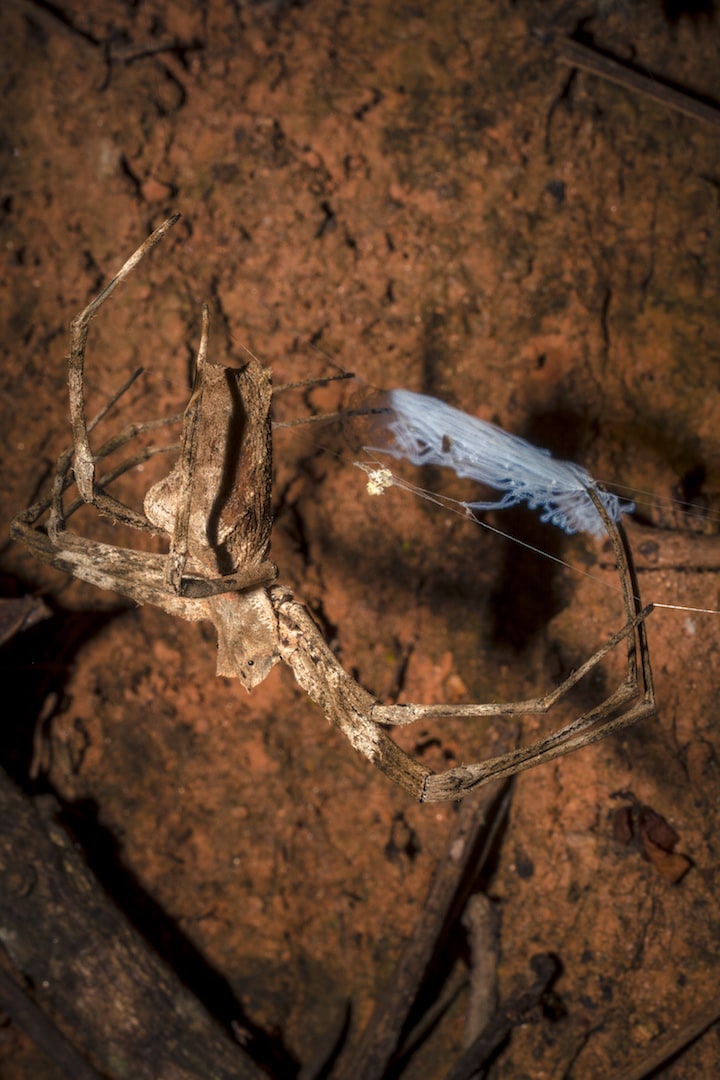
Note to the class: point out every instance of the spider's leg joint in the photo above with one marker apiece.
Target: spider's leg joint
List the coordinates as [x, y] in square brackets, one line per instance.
[84, 470]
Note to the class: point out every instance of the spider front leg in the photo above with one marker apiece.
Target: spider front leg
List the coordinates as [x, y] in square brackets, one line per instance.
[364, 720]
[84, 459]
[610, 715]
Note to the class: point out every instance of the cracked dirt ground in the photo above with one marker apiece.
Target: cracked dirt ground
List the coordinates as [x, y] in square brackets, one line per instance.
[422, 194]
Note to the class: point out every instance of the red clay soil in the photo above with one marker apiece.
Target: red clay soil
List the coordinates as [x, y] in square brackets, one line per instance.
[424, 194]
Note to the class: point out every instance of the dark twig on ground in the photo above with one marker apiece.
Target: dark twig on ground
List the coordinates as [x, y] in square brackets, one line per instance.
[577, 55]
[670, 1046]
[477, 823]
[546, 968]
[127, 1012]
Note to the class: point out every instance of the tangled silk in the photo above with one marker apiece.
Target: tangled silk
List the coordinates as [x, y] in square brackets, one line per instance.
[426, 431]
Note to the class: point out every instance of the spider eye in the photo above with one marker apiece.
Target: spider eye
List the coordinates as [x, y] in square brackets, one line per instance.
[251, 663]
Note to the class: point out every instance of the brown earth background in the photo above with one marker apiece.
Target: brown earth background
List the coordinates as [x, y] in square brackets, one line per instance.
[424, 194]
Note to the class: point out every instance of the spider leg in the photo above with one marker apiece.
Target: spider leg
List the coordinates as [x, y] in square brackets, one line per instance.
[363, 720]
[400, 715]
[322, 380]
[631, 599]
[353, 710]
[56, 523]
[341, 698]
[185, 467]
[633, 631]
[319, 418]
[456, 783]
[84, 464]
[64, 479]
[611, 715]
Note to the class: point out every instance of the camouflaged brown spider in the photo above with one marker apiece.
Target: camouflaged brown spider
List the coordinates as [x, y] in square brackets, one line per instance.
[214, 507]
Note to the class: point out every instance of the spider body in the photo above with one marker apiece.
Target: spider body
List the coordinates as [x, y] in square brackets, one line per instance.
[214, 509]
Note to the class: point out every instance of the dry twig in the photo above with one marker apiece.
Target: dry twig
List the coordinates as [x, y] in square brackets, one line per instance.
[467, 849]
[546, 969]
[576, 54]
[98, 991]
[481, 920]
